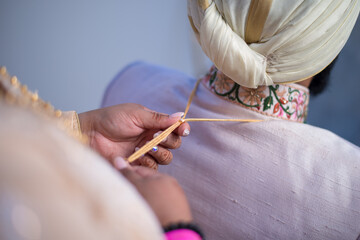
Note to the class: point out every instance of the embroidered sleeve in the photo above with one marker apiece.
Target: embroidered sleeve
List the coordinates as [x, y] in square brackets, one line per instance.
[70, 120]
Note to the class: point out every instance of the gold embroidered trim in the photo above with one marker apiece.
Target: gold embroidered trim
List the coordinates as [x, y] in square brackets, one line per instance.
[205, 85]
[192, 25]
[14, 93]
[204, 4]
[258, 13]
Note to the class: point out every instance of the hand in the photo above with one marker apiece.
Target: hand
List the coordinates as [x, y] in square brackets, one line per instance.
[116, 131]
[162, 193]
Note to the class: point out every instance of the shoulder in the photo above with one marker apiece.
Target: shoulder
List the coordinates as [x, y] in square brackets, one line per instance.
[141, 71]
[142, 78]
[314, 141]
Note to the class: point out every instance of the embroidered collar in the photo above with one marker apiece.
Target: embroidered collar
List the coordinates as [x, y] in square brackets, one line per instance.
[286, 101]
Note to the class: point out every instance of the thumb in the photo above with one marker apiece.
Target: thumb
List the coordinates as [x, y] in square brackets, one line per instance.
[132, 176]
[155, 120]
[127, 171]
[120, 163]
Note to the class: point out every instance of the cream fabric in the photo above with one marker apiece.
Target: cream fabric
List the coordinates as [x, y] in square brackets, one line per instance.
[270, 180]
[299, 39]
[12, 91]
[53, 187]
[71, 120]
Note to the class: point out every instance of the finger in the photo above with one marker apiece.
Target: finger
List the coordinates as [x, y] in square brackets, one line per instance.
[146, 161]
[162, 156]
[145, 172]
[154, 120]
[183, 130]
[130, 175]
[172, 141]
[120, 163]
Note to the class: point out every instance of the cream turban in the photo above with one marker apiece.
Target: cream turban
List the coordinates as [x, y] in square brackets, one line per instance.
[262, 42]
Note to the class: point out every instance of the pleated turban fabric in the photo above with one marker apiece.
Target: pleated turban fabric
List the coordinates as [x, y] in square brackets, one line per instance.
[264, 42]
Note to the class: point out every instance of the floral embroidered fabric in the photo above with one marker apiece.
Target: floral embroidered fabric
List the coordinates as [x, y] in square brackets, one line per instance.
[286, 101]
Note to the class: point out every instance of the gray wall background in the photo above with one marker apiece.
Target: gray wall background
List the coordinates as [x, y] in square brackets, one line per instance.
[70, 50]
[338, 108]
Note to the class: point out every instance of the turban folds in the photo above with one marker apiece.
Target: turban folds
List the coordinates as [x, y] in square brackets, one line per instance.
[263, 42]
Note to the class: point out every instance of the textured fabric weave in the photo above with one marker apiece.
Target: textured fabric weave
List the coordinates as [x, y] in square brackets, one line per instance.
[275, 179]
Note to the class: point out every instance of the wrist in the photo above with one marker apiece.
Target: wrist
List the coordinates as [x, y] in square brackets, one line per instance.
[85, 122]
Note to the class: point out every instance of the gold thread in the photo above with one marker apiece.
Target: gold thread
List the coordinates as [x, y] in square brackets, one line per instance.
[192, 25]
[78, 123]
[34, 97]
[155, 141]
[58, 113]
[147, 147]
[47, 105]
[24, 89]
[3, 71]
[220, 120]
[22, 97]
[14, 81]
[258, 13]
[204, 4]
[193, 92]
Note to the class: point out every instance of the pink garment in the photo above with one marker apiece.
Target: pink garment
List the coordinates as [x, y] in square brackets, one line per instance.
[275, 179]
[182, 234]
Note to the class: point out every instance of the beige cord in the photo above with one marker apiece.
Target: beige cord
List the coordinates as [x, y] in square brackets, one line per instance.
[147, 147]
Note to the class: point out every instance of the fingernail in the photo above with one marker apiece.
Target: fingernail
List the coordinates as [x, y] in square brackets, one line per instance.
[177, 115]
[154, 149]
[186, 132]
[137, 148]
[120, 163]
[157, 134]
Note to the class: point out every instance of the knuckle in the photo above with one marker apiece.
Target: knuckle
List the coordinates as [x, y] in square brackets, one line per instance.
[148, 162]
[177, 142]
[155, 166]
[165, 157]
[156, 116]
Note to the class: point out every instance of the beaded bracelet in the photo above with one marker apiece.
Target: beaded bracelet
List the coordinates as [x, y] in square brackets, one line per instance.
[183, 231]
